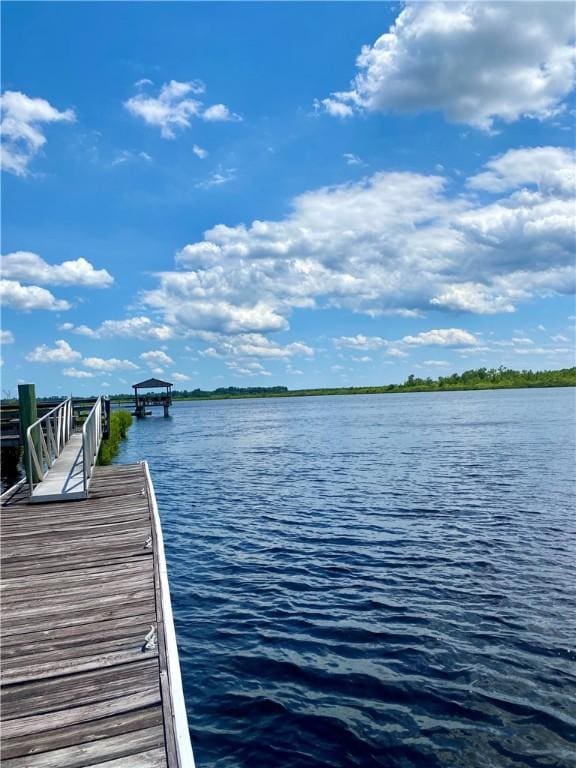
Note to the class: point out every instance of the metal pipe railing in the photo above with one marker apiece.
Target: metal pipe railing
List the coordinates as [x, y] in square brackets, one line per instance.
[45, 440]
[47, 437]
[91, 438]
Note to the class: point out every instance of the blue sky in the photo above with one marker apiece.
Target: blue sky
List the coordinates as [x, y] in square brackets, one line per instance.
[305, 194]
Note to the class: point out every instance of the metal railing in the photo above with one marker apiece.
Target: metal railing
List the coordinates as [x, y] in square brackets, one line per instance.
[91, 439]
[45, 440]
[47, 437]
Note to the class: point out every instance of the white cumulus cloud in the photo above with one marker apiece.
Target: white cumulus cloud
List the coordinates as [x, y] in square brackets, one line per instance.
[219, 113]
[110, 364]
[334, 107]
[241, 370]
[474, 61]
[174, 108]
[442, 337]
[62, 352]
[476, 298]
[140, 327]
[549, 169]
[252, 345]
[392, 243]
[29, 267]
[6, 337]
[156, 358]
[76, 373]
[29, 297]
[81, 330]
[360, 342]
[258, 345]
[22, 129]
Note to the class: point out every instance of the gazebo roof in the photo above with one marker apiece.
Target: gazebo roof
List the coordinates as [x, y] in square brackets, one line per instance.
[151, 383]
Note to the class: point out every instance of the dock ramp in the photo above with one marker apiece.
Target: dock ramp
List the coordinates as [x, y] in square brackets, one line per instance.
[60, 457]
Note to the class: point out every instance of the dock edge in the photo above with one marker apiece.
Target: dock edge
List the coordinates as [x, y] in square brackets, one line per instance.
[178, 705]
[9, 492]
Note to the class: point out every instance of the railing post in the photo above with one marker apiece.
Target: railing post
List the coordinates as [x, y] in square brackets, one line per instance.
[28, 415]
[84, 464]
[106, 430]
[92, 430]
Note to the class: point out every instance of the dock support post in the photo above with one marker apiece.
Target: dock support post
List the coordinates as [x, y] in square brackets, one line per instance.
[166, 411]
[28, 415]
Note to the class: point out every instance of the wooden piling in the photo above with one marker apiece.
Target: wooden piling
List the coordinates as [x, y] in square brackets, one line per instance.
[28, 415]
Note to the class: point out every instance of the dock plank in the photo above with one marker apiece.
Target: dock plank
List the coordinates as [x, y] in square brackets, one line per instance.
[115, 576]
[30, 606]
[53, 694]
[152, 759]
[94, 752]
[132, 541]
[73, 618]
[98, 586]
[31, 531]
[52, 564]
[77, 733]
[59, 667]
[46, 649]
[80, 591]
[51, 721]
[81, 633]
[72, 577]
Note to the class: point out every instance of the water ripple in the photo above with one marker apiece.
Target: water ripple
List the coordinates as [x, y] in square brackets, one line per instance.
[373, 580]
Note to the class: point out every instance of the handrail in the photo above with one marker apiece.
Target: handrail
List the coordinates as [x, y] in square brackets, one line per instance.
[91, 438]
[44, 447]
[176, 694]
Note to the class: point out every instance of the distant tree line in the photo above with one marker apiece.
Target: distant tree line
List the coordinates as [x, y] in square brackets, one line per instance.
[229, 392]
[490, 378]
[475, 378]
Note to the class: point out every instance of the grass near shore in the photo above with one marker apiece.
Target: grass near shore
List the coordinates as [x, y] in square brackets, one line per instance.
[120, 422]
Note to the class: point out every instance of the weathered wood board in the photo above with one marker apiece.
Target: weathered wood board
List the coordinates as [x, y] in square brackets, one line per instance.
[79, 591]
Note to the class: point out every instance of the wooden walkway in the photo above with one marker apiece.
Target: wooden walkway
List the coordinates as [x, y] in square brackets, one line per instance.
[82, 584]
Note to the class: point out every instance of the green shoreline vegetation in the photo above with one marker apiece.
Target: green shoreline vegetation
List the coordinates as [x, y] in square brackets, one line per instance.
[120, 422]
[478, 378]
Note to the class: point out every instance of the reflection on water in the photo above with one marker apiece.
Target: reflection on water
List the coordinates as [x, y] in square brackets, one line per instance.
[372, 580]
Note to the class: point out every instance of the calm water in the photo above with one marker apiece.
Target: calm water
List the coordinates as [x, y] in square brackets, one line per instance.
[373, 580]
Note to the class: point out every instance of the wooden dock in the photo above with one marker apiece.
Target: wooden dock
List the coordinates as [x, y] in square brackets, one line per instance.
[90, 671]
